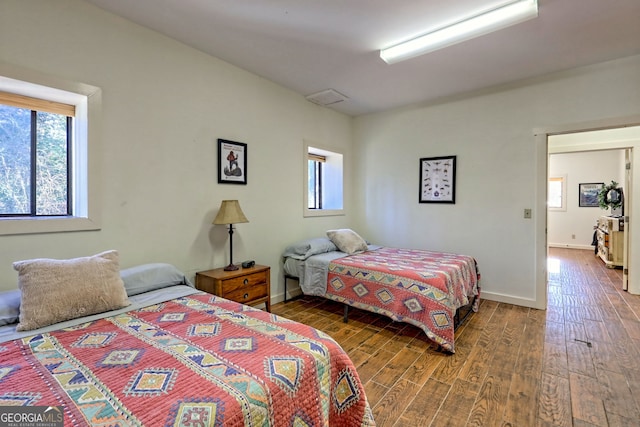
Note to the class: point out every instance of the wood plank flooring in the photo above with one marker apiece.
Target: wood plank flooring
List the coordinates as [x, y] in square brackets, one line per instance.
[575, 364]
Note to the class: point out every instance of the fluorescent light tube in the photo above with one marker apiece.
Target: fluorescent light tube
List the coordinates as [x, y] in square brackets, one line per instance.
[493, 20]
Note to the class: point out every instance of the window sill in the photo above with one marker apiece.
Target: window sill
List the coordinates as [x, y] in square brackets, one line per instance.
[10, 226]
[323, 212]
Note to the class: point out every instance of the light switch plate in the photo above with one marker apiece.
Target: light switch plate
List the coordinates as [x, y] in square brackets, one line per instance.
[527, 213]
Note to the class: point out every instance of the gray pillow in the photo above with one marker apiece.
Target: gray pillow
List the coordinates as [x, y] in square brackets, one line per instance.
[148, 277]
[9, 307]
[305, 248]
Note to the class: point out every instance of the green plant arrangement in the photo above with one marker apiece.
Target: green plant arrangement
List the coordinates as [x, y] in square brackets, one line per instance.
[607, 200]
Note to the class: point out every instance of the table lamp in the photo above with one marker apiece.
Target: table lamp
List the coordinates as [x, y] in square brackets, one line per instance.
[230, 213]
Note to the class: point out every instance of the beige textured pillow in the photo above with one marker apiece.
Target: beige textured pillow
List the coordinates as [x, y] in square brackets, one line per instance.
[57, 290]
[347, 240]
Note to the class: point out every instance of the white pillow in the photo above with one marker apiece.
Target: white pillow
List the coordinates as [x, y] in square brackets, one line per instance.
[57, 290]
[347, 240]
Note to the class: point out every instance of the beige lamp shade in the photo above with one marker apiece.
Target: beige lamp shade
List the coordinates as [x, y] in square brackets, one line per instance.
[230, 213]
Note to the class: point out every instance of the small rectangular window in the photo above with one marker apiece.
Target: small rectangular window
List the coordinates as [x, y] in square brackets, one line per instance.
[46, 185]
[556, 194]
[315, 181]
[35, 154]
[324, 188]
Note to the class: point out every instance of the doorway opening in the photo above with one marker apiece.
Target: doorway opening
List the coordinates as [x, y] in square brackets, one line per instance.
[614, 137]
[575, 219]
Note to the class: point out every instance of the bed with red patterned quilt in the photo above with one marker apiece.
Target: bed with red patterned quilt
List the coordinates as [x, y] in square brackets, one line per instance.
[192, 360]
[424, 288]
[419, 287]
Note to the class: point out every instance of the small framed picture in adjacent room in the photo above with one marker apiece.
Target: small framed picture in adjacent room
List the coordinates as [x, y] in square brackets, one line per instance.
[232, 162]
[588, 194]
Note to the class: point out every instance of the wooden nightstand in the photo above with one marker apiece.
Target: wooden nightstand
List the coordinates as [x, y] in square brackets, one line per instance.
[249, 286]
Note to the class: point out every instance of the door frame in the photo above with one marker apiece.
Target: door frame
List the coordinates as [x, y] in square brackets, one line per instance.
[541, 160]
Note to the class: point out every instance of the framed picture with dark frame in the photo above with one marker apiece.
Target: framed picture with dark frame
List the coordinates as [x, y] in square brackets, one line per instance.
[438, 179]
[232, 162]
[588, 194]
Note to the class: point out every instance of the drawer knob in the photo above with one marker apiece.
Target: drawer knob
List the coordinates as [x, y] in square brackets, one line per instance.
[245, 296]
[245, 281]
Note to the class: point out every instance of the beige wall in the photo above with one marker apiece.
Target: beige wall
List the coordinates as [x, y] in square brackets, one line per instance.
[501, 169]
[164, 107]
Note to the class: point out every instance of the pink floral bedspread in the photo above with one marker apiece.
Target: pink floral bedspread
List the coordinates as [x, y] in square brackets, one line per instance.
[415, 286]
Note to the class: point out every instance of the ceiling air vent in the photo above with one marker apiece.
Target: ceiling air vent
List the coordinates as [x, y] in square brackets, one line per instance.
[326, 97]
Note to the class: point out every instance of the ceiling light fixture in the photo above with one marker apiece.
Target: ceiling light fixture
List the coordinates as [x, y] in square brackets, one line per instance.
[492, 20]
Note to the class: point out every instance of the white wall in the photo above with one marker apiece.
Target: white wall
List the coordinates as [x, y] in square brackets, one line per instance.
[573, 227]
[164, 107]
[501, 169]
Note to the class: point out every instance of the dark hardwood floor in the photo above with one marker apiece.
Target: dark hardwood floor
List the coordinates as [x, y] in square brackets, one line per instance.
[575, 364]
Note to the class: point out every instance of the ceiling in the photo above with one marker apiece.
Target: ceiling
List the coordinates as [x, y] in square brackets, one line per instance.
[312, 45]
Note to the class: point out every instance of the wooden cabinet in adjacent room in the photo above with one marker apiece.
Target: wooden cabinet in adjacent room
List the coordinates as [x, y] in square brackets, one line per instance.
[610, 235]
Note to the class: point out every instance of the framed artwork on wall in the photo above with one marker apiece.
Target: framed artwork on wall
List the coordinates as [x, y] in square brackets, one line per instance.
[232, 162]
[438, 180]
[588, 194]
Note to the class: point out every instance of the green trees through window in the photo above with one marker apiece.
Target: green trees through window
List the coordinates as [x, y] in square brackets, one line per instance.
[34, 162]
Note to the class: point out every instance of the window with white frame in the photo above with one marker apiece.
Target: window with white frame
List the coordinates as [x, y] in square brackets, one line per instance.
[323, 194]
[35, 156]
[44, 155]
[557, 193]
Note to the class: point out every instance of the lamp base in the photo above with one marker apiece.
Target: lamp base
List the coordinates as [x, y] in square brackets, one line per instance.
[231, 267]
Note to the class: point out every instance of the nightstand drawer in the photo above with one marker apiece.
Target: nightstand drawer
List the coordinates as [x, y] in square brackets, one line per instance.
[251, 285]
[247, 294]
[237, 283]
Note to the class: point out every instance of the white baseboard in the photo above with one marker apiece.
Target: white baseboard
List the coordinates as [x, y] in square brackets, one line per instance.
[568, 246]
[291, 293]
[508, 299]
